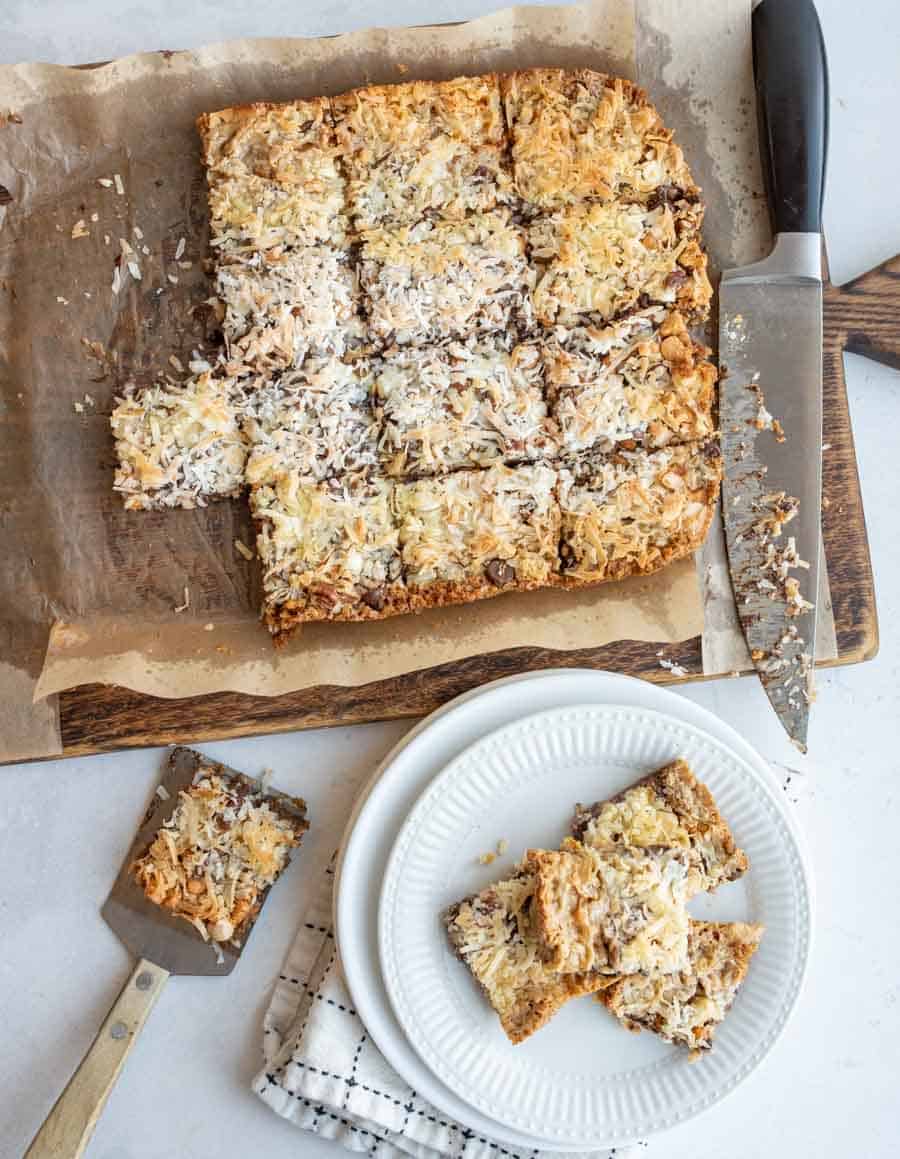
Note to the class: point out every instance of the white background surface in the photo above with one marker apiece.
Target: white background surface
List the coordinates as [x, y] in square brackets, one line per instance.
[830, 1088]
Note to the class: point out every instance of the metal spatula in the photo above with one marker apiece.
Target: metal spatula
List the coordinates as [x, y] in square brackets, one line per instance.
[163, 945]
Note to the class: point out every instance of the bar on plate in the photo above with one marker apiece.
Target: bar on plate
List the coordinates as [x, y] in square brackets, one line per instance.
[686, 1007]
[476, 534]
[493, 935]
[616, 911]
[463, 403]
[669, 809]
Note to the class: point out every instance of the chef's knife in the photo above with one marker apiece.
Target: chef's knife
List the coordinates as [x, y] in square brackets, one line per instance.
[163, 944]
[770, 352]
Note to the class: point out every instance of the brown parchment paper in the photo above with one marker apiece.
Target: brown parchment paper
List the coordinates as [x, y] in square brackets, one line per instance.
[111, 579]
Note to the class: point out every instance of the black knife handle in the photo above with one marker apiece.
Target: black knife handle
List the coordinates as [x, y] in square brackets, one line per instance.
[792, 102]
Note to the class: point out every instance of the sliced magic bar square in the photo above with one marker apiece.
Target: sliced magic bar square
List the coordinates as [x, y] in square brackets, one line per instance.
[580, 135]
[282, 305]
[424, 148]
[315, 421]
[616, 911]
[274, 176]
[224, 846]
[474, 534]
[440, 279]
[464, 403]
[638, 381]
[493, 934]
[632, 512]
[329, 550]
[686, 1007]
[596, 262]
[179, 446]
[669, 810]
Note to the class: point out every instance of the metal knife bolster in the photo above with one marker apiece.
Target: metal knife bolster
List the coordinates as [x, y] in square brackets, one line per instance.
[795, 257]
[770, 412]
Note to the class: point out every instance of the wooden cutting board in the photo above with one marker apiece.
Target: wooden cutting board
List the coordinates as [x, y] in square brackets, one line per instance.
[862, 317]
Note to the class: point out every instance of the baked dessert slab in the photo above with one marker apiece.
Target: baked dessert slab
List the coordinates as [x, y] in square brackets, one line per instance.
[493, 934]
[671, 809]
[597, 261]
[423, 148]
[329, 551]
[641, 381]
[282, 305]
[274, 176]
[178, 446]
[616, 911]
[686, 1007]
[315, 421]
[442, 279]
[224, 845]
[633, 512]
[463, 403]
[475, 534]
[580, 135]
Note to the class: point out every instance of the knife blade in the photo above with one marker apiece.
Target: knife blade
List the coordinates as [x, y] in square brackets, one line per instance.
[770, 355]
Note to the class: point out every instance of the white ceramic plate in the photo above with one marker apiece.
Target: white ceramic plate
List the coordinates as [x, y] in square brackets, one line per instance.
[382, 808]
[581, 1080]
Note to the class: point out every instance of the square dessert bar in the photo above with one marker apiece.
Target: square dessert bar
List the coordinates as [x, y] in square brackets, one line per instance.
[595, 262]
[474, 534]
[424, 148]
[316, 421]
[493, 935]
[686, 1007]
[581, 135]
[444, 279]
[329, 550]
[179, 446]
[281, 305]
[670, 810]
[641, 381]
[465, 403]
[614, 911]
[224, 845]
[632, 512]
[274, 176]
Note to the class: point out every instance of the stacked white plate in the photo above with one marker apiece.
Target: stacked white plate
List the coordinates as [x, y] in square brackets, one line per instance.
[507, 763]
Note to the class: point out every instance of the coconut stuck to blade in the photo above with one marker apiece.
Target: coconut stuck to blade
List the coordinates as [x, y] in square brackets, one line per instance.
[210, 847]
[770, 354]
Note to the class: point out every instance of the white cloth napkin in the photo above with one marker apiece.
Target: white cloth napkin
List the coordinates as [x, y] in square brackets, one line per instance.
[323, 1073]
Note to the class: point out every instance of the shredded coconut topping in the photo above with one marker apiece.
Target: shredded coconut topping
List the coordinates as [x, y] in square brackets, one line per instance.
[212, 861]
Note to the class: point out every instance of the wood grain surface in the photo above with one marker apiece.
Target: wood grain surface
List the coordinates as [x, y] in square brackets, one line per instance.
[862, 316]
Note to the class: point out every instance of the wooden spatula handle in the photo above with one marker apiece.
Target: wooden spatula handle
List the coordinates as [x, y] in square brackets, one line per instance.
[69, 1126]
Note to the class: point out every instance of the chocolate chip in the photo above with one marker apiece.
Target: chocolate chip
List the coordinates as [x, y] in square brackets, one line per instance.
[644, 301]
[482, 171]
[374, 598]
[499, 572]
[5, 195]
[663, 194]
[676, 278]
